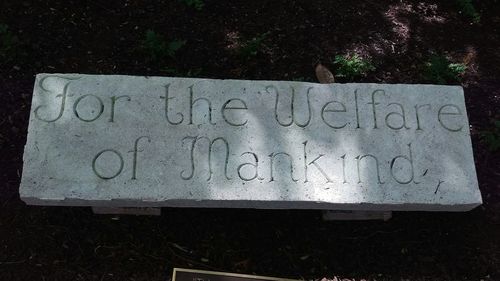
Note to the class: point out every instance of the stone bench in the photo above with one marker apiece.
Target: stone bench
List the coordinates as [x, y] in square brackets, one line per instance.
[126, 141]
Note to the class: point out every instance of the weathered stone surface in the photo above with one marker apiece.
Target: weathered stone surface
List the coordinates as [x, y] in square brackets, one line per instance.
[126, 141]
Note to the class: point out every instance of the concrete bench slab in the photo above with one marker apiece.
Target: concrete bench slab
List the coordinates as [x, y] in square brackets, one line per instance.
[126, 141]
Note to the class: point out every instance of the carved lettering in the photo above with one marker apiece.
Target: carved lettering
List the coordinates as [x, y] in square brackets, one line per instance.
[255, 166]
[292, 107]
[359, 158]
[364, 120]
[99, 111]
[410, 161]
[457, 112]
[62, 95]
[327, 109]
[273, 155]
[374, 107]
[112, 176]
[395, 114]
[417, 116]
[225, 107]
[194, 141]
[313, 162]
[135, 151]
[192, 102]
[343, 168]
[113, 101]
[167, 100]
[357, 109]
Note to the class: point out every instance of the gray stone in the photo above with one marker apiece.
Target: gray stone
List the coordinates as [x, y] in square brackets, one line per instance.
[124, 141]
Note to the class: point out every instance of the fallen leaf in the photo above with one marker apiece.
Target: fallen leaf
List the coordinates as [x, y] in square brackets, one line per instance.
[324, 75]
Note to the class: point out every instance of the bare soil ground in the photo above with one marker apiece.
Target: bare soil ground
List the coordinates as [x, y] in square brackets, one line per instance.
[56, 243]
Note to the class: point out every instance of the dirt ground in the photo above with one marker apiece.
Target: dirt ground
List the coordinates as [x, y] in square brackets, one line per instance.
[91, 36]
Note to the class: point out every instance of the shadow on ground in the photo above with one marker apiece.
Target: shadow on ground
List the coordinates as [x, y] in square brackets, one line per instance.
[47, 243]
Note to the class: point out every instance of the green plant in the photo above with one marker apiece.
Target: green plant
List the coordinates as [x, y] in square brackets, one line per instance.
[251, 47]
[194, 72]
[350, 67]
[197, 4]
[157, 48]
[8, 43]
[440, 70]
[467, 8]
[492, 137]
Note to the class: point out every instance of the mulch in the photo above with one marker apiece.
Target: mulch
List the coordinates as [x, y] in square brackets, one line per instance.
[104, 37]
